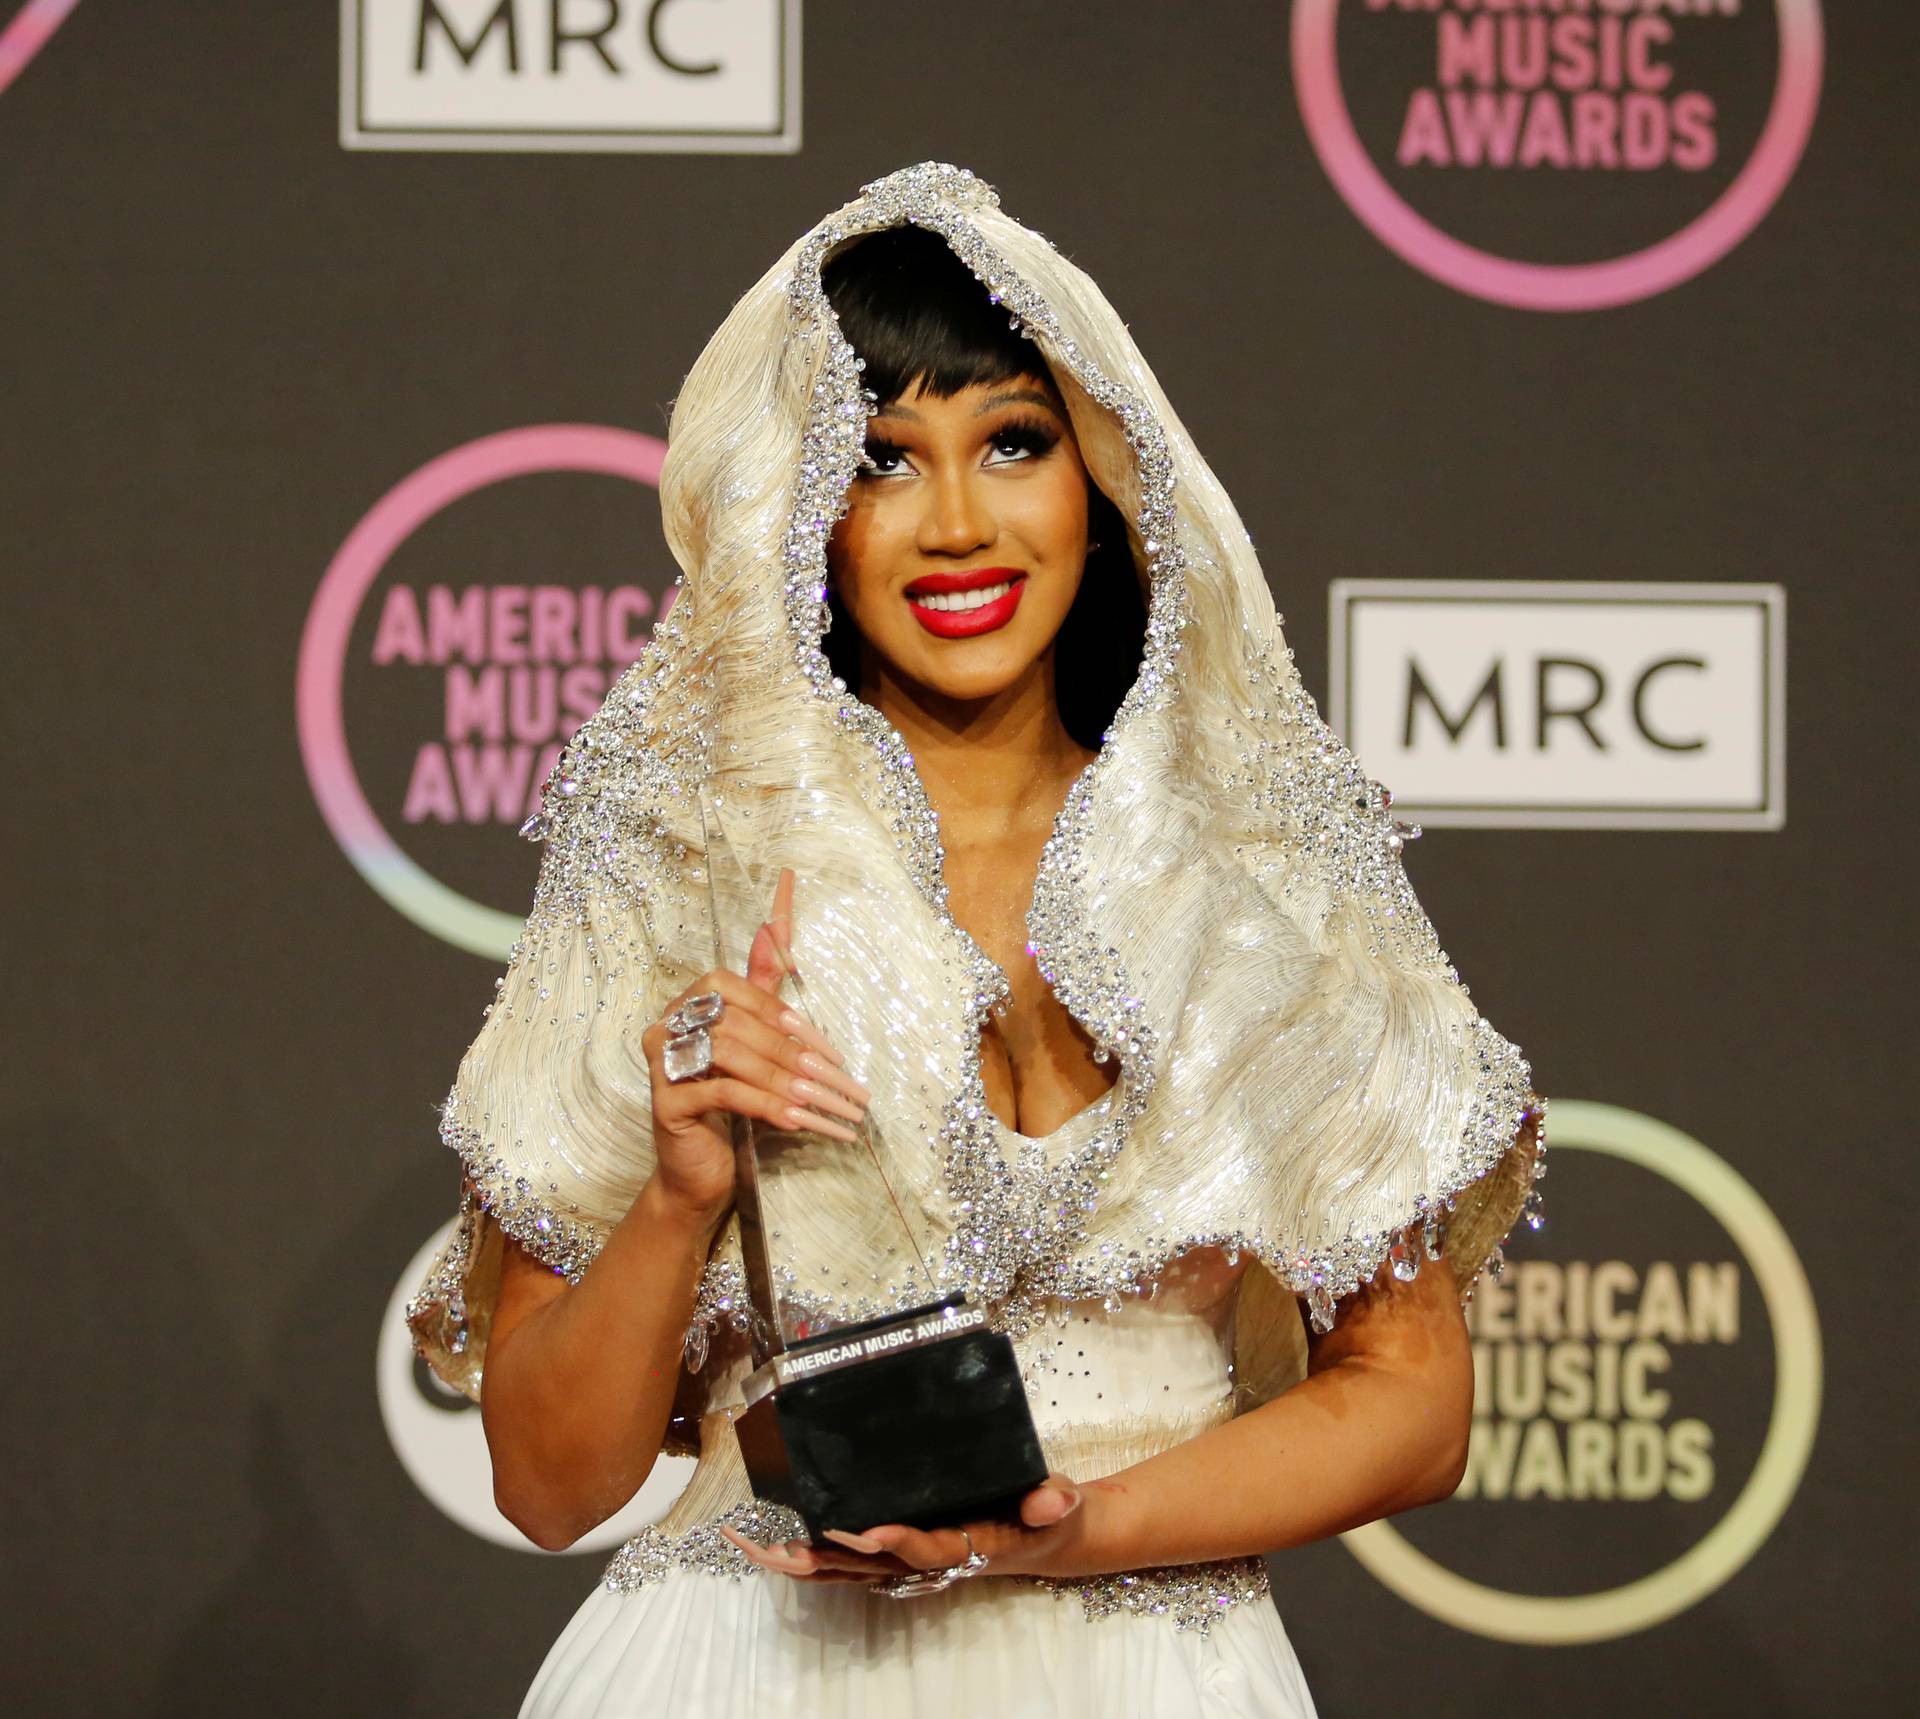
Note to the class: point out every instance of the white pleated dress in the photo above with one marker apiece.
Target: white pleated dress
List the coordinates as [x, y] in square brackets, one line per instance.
[695, 1645]
[705, 1634]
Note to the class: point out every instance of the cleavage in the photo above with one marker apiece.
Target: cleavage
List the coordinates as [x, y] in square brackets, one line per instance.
[1036, 1061]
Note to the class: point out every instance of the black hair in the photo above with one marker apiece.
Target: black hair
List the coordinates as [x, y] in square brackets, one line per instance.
[914, 312]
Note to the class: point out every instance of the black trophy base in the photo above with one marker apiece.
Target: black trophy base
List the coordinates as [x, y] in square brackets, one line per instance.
[919, 1418]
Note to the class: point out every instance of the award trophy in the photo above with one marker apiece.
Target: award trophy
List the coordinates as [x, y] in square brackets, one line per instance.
[917, 1417]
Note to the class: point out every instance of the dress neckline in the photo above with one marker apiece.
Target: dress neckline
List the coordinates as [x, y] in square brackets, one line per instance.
[1087, 1116]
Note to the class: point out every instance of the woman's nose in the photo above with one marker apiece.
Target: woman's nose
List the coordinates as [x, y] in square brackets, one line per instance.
[957, 519]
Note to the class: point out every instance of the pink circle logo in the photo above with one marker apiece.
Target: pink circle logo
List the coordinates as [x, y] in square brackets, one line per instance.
[513, 668]
[1528, 91]
[31, 30]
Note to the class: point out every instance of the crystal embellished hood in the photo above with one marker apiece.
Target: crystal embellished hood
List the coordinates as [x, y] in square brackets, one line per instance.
[1222, 904]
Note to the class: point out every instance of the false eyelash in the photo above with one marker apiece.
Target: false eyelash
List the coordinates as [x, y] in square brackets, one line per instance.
[1033, 434]
[1030, 434]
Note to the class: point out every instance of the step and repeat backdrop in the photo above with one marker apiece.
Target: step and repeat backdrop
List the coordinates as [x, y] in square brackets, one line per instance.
[1559, 354]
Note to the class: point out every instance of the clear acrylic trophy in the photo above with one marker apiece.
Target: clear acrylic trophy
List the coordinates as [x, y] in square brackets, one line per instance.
[918, 1417]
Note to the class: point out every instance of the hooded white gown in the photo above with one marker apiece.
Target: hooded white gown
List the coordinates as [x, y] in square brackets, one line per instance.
[1305, 1089]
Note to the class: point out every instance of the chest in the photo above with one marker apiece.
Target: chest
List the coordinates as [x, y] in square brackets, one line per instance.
[1036, 1061]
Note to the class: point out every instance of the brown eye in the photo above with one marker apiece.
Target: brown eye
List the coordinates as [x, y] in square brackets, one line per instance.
[1026, 441]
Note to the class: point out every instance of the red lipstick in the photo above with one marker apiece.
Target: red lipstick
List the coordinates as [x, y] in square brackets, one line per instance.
[959, 623]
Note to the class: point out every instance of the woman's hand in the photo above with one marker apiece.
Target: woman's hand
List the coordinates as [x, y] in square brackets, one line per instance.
[1052, 1519]
[769, 1063]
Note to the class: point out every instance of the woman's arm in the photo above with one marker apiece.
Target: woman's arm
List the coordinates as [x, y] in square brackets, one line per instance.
[579, 1382]
[1379, 1424]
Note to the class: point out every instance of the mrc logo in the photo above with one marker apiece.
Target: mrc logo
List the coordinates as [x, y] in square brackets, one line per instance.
[1566, 704]
[677, 75]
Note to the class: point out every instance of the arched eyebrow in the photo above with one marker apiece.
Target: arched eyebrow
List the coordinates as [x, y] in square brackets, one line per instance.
[1003, 397]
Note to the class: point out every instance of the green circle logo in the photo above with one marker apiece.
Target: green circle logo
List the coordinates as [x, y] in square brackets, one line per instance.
[1480, 1609]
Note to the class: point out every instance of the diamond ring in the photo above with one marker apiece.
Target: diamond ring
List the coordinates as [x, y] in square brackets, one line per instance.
[700, 1011]
[687, 1056]
[917, 1582]
[689, 1052]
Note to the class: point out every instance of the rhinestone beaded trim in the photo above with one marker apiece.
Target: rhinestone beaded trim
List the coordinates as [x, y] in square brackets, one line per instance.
[1020, 1223]
[1017, 1222]
[1189, 1596]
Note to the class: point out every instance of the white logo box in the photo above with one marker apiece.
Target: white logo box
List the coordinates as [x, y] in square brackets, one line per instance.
[1666, 703]
[683, 76]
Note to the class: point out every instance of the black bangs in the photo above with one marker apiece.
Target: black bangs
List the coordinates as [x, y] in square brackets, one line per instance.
[913, 310]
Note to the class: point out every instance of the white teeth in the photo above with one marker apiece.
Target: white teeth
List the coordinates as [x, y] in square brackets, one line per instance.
[962, 599]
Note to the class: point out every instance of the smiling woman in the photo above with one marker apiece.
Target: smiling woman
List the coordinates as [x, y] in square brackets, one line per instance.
[1109, 944]
[971, 480]
[971, 613]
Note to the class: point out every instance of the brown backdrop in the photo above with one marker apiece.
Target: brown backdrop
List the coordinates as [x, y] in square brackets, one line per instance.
[227, 337]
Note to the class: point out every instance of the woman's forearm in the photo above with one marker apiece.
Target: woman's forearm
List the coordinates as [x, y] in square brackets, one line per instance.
[1358, 1440]
[1343, 1447]
[577, 1398]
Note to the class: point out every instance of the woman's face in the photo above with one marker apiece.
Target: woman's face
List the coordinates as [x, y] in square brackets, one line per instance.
[966, 536]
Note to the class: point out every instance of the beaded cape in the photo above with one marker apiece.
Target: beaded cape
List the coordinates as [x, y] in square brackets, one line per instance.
[1302, 1075]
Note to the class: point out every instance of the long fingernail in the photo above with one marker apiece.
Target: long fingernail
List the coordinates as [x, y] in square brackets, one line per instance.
[858, 1542]
[792, 1021]
[806, 1120]
[769, 1557]
[766, 1557]
[811, 1092]
[815, 1064]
